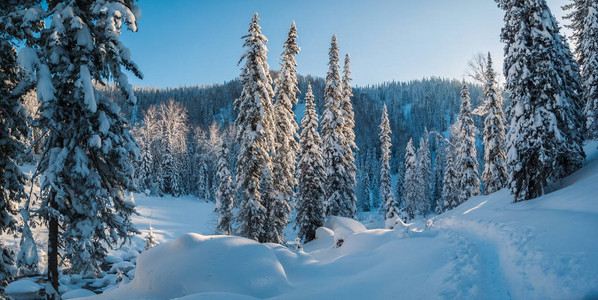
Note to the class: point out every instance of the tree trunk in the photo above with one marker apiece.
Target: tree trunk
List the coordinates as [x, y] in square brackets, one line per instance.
[53, 250]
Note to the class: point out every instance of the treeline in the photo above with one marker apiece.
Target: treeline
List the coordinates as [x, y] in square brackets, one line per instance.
[414, 106]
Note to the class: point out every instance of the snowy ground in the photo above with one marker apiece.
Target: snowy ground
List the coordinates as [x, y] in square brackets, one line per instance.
[487, 248]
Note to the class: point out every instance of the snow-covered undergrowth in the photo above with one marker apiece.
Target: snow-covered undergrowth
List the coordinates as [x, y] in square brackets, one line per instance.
[486, 248]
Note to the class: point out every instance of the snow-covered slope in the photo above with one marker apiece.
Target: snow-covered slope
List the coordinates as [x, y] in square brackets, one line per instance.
[487, 248]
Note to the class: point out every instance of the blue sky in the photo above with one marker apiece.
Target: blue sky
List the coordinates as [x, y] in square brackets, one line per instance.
[194, 42]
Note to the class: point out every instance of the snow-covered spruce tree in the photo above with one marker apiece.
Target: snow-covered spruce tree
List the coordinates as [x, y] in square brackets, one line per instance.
[216, 143]
[340, 179]
[149, 135]
[544, 138]
[86, 161]
[465, 156]
[170, 178]
[254, 132]
[391, 210]
[13, 125]
[7, 261]
[438, 174]
[225, 193]
[424, 175]
[311, 175]
[400, 193]
[412, 188]
[144, 172]
[372, 170]
[27, 257]
[150, 239]
[450, 182]
[495, 169]
[584, 23]
[203, 184]
[363, 191]
[285, 134]
[349, 137]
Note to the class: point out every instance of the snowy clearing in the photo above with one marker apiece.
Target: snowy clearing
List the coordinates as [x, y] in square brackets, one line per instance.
[486, 248]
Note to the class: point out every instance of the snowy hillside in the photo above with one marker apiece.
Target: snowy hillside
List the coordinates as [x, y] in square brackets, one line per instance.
[486, 248]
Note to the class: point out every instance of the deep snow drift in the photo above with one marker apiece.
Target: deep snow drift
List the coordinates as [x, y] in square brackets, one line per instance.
[486, 248]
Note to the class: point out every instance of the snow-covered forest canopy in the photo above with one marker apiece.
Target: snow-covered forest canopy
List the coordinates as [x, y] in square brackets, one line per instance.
[299, 185]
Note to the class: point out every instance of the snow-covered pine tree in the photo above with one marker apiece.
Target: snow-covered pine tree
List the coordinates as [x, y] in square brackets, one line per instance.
[340, 197]
[7, 261]
[150, 134]
[450, 182]
[203, 184]
[438, 173]
[13, 123]
[584, 22]
[86, 161]
[424, 175]
[254, 124]
[544, 140]
[349, 137]
[216, 143]
[170, 177]
[391, 210]
[225, 193]
[27, 258]
[363, 192]
[400, 193]
[372, 170]
[311, 175]
[495, 169]
[150, 239]
[161, 178]
[466, 157]
[144, 172]
[412, 188]
[285, 134]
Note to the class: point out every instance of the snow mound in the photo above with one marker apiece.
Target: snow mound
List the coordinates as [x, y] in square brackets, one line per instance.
[217, 296]
[196, 264]
[78, 293]
[22, 286]
[343, 227]
[22, 289]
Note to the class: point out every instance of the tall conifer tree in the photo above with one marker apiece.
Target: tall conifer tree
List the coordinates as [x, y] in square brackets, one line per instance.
[349, 138]
[225, 193]
[495, 169]
[86, 162]
[424, 175]
[311, 174]
[14, 27]
[341, 199]
[412, 187]
[466, 157]
[391, 210]
[584, 22]
[254, 133]
[450, 182]
[544, 142]
[285, 156]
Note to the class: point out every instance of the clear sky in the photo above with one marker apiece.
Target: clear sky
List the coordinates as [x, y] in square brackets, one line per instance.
[194, 42]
